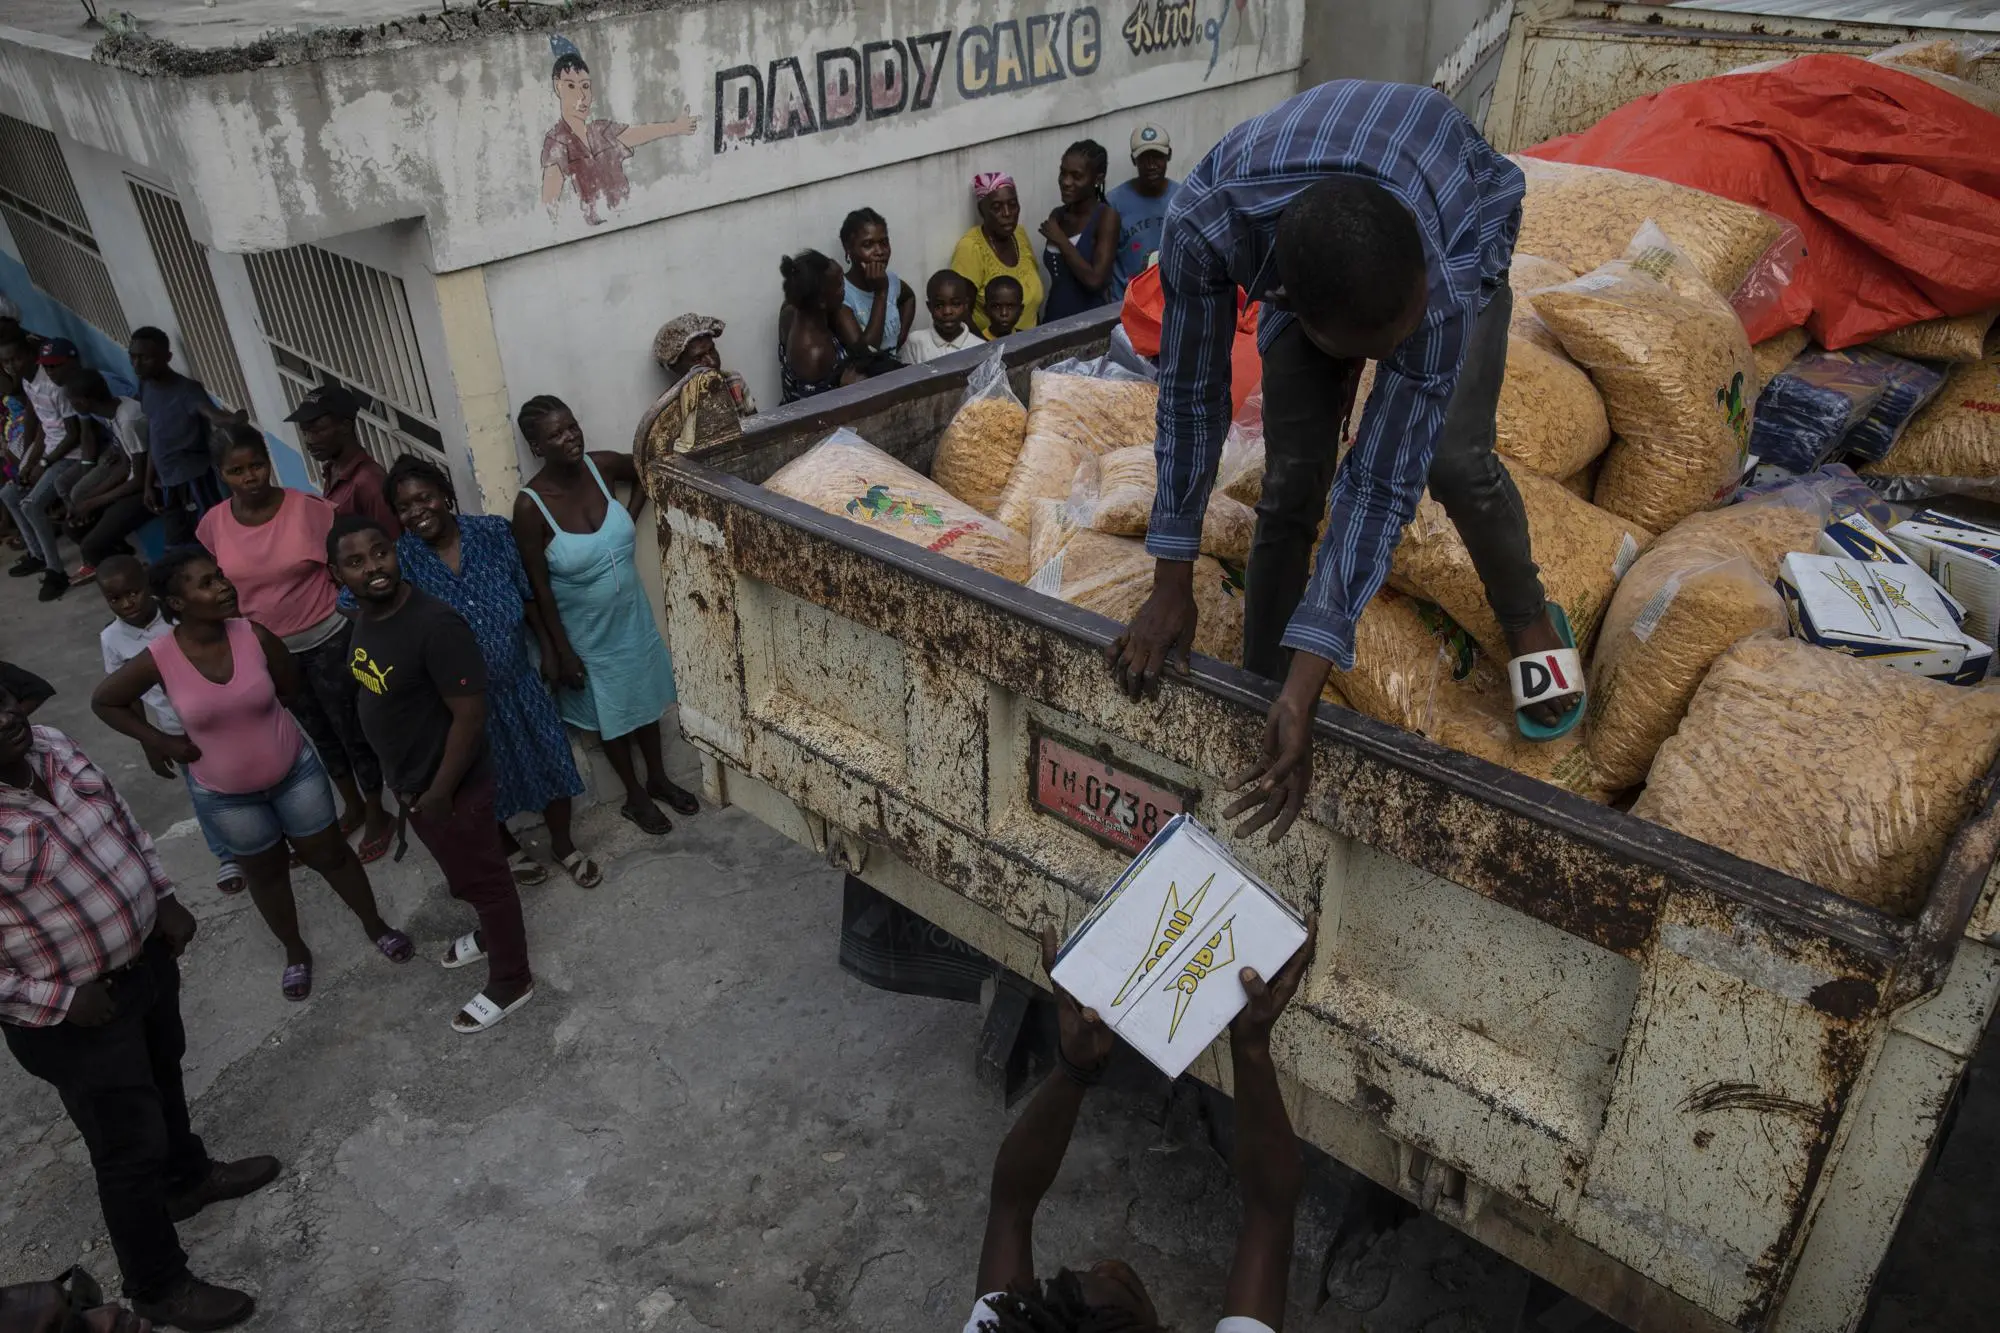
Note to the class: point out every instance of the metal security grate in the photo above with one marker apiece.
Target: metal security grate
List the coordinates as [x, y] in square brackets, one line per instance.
[330, 320]
[39, 203]
[207, 351]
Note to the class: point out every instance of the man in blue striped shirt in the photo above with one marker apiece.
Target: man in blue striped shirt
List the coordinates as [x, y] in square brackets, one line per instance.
[1374, 223]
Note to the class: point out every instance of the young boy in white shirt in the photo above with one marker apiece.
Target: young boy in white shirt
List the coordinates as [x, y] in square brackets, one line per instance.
[122, 580]
[949, 297]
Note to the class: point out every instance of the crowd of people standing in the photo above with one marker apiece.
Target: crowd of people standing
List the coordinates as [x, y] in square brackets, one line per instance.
[326, 672]
[839, 324]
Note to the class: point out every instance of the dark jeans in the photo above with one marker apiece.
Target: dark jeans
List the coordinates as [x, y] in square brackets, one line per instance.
[467, 848]
[121, 1084]
[185, 503]
[1308, 397]
[115, 522]
[328, 713]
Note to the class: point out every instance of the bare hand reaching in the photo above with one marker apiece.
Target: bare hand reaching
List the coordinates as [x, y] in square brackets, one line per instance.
[1086, 1041]
[1253, 1024]
[1160, 635]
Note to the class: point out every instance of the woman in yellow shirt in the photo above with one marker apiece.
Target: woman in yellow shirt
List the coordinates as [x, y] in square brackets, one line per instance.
[998, 246]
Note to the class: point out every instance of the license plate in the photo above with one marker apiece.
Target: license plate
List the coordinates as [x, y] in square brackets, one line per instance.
[1112, 804]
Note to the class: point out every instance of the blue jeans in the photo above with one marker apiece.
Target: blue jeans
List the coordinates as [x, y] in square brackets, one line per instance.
[225, 860]
[299, 805]
[30, 508]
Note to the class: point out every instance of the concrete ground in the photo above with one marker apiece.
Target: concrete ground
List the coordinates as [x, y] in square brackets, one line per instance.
[699, 1122]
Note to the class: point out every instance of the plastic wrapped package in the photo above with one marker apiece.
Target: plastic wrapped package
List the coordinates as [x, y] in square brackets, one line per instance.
[1959, 339]
[1830, 768]
[1113, 576]
[1764, 300]
[1911, 386]
[1583, 483]
[1240, 475]
[1775, 353]
[1530, 274]
[1834, 487]
[1050, 527]
[1941, 55]
[1114, 494]
[979, 448]
[1674, 367]
[1072, 417]
[1583, 217]
[1958, 435]
[1416, 669]
[1696, 591]
[1550, 418]
[849, 477]
[1809, 407]
[1582, 550]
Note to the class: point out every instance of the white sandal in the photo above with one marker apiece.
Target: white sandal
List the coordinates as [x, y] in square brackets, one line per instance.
[527, 871]
[484, 1013]
[576, 863]
[464, 950]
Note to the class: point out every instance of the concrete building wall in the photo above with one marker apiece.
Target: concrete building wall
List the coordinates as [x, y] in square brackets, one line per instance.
[1451, 44]
[724, 261]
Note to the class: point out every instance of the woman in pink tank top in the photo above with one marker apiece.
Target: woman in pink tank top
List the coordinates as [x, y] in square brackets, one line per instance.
[258, 785]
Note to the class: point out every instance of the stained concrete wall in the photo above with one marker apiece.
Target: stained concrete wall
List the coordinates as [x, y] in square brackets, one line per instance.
[1450, 44]
[459, 132]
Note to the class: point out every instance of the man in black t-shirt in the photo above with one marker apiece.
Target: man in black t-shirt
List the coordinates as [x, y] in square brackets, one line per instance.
[423, 709]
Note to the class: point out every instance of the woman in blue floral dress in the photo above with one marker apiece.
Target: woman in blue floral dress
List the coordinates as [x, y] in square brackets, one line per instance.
[471, 563]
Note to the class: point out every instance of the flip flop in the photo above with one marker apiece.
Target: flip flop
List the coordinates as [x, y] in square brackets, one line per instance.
[297, 982]
[1549, 677]
[374, 849]
[464, 951]
[229, 879]
[396, 947]
[527, 870]
[583, 871]
[649, 819]
[680, 799]
[484, 1013]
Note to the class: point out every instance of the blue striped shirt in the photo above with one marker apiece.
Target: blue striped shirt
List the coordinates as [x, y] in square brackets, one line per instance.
[1220, 235]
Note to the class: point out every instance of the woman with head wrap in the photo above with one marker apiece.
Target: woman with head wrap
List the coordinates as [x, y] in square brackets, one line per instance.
[686, 344]
[998, 247]
[590, 154]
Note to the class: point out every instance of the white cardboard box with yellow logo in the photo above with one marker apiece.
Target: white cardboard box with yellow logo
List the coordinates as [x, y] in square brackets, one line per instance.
[1886, 613]
[1160, 956]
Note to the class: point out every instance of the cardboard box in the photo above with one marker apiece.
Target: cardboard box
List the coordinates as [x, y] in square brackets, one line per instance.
[1159, 957]
[1965, 563]
[1882, 612]
[1978, 663]
[1858, 539]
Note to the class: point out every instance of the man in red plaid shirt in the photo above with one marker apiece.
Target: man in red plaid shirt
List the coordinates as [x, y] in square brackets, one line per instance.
[90, 1003]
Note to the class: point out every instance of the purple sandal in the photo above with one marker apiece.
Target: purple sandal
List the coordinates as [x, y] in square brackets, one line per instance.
[396, 947]
[298, 981]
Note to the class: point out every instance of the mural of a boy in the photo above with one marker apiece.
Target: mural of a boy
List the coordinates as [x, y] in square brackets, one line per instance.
[590, 154]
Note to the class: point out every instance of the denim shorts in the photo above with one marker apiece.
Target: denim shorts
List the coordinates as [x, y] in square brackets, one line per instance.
[246, 823]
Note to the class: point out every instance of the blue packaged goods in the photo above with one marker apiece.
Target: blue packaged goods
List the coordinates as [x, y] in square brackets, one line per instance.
[1809, 407]
[1911, 386]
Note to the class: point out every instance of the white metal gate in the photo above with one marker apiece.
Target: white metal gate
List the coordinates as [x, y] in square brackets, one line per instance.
[331, 320]
[38, 199]
[207, 352]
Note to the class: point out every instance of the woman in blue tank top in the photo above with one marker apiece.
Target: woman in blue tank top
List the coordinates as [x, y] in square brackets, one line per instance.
[1082, 235]
[877, 307]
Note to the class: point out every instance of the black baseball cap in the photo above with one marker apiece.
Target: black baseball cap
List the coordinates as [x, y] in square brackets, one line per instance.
[328, 400]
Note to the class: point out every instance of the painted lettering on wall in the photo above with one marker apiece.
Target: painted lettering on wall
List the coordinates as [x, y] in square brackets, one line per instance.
[839, 86]
[1154, 26]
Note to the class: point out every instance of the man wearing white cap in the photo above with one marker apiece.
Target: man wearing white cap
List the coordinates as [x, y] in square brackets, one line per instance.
[1142, 204]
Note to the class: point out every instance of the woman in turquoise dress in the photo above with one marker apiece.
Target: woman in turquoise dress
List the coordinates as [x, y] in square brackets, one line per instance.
[469, 562]
[576, 542]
